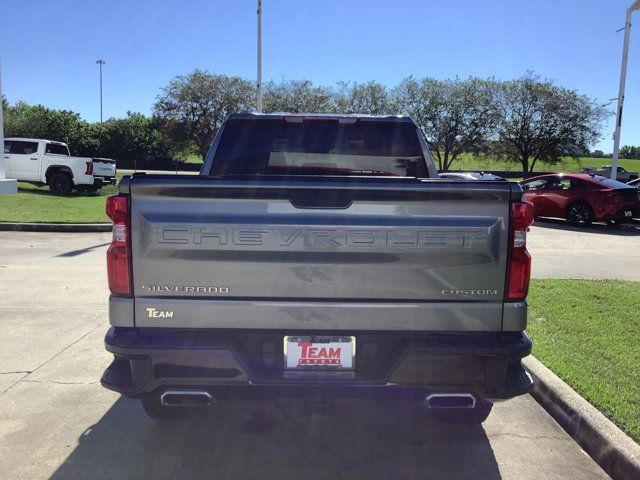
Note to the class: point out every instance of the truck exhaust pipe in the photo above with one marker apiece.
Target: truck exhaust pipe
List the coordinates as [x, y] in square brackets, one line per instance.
[451, 400]
[186, 398]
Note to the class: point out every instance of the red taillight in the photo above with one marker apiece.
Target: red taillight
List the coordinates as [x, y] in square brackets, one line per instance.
[519, 270]
[119, 254]
[89, 170]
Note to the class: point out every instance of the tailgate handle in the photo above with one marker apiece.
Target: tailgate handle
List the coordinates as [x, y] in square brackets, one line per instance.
[321, 199]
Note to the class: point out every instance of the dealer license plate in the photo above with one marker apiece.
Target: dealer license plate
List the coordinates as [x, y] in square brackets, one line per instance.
[628, 213]
[319, 352]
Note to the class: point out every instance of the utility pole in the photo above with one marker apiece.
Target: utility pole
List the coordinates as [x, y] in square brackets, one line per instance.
[7, 186]
[2, 171]
[623, 79]
[101, 63]
[259, 101]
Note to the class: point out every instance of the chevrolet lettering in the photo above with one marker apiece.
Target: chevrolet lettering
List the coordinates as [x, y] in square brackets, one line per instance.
[223, 237]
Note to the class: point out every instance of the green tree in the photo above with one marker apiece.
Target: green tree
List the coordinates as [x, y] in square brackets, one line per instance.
[134, 138]
[194, 106]
[540, 121]
[370, 98]
[298, 96]
[455, 116]
[38, 121]
[630, 152]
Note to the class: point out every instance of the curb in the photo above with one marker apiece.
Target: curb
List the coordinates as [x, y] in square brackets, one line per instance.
[610, 447]
[55, 227]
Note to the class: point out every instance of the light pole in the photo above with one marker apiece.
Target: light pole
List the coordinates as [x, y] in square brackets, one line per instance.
[2, 172]
[7, 186]
[101, 63]
[259, 101]
[623, 78]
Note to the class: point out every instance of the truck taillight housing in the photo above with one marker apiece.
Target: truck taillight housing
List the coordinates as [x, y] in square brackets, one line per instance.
[119, 253]
[89, 170]
[519, 261]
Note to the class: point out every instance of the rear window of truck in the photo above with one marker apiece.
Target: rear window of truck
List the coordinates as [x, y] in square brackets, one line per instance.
[18, 147]
[319, 147]
[57, 149]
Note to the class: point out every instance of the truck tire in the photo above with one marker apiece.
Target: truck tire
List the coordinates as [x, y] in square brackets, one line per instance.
[60, 183]
[155, 410]
[467, 416]
[580, 214]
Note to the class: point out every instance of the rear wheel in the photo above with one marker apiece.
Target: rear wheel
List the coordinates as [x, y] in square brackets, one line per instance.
[60, 183]
[579, 214]
[154, 409]
[465, 416]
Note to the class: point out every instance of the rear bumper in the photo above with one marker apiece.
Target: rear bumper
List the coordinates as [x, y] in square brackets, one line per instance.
[100, 181]
[148, 361]
[616, 212]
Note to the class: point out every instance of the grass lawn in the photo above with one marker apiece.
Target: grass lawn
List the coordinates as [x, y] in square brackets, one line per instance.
[38, 205]
[587, 332]
[470, 162]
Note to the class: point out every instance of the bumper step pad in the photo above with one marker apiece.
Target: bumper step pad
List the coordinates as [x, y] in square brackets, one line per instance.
[117, 376]
[518, 381]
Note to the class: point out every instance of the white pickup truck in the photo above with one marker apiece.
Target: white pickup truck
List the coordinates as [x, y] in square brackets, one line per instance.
[48, 162]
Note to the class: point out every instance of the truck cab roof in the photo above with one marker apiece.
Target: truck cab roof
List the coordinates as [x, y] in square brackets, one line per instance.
[21, 139]
[298, 117]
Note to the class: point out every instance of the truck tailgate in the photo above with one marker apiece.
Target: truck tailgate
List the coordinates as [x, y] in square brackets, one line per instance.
[103, 167]
[371, 253]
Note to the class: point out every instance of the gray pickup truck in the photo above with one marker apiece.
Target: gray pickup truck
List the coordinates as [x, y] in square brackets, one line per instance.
[318, 255]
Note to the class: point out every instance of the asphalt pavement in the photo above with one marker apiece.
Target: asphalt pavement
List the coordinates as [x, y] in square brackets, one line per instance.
[596, 252]
[56, 421]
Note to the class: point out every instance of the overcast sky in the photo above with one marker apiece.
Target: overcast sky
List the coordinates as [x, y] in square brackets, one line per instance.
[49, 48]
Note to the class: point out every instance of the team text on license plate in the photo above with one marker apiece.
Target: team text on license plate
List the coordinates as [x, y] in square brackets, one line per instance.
[319, 352]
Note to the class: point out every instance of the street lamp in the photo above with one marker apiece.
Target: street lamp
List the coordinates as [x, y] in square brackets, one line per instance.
[259, 101]
[101, 63]
[623, 78]
[6, 185]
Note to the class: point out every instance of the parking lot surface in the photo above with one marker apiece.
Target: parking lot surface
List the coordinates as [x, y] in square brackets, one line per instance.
[56, 421]
[596, 252]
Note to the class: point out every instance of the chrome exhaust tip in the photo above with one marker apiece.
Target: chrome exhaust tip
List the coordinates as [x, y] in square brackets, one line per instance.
[186, 398]
[451, 400]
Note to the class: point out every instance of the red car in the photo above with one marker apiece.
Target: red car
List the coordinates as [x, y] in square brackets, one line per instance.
[580, 198]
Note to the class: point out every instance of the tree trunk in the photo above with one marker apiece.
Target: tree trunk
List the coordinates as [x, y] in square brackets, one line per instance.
[452, 158]
[445, 163]
[436, 153]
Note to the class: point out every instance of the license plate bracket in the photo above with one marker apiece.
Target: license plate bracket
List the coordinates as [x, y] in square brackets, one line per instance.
[319, 352]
